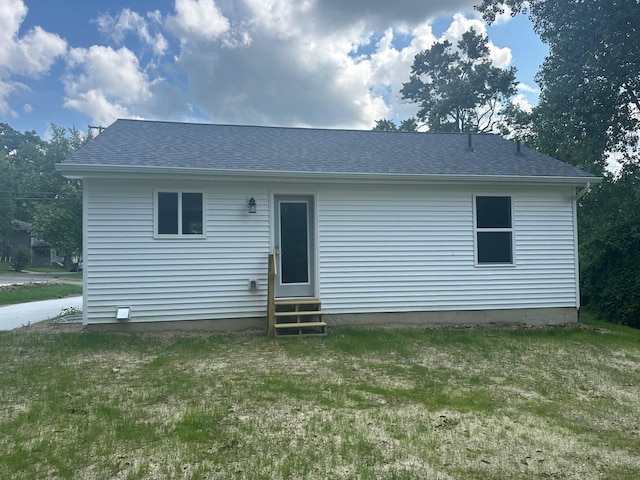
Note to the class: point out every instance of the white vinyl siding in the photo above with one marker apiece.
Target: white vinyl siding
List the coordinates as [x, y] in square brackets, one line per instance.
[393, 248]
[401, 249]
[173, 279]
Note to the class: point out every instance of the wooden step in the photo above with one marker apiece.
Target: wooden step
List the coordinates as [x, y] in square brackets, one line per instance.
[296, 301]
[299, 313]
[300, 325]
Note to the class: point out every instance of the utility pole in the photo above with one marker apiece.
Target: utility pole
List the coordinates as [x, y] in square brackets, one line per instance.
[100, 128]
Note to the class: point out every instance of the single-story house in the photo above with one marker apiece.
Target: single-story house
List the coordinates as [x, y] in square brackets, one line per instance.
[380, 227]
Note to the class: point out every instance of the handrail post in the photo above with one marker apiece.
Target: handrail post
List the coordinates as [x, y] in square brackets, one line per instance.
[271, 295]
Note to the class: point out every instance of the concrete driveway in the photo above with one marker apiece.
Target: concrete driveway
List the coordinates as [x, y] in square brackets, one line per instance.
[16, 316]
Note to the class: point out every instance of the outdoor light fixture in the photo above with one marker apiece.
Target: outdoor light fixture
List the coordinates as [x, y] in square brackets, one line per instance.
[251, 205]
[122, 313]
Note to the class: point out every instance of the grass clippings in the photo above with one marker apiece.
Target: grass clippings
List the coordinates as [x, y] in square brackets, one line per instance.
[558, 402]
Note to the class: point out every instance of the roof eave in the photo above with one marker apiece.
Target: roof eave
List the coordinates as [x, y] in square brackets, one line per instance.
[158, 173]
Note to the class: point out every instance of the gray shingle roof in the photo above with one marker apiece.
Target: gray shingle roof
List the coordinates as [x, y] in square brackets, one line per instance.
[274, 149]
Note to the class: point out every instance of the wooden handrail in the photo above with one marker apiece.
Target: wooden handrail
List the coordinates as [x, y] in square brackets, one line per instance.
[271, 294]
[274, 262]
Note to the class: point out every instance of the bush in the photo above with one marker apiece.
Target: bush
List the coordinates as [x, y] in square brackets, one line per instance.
[22, 258]
[610, 248]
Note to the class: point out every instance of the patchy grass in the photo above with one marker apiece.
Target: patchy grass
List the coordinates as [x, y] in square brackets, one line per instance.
[390, 404]
[31, 292]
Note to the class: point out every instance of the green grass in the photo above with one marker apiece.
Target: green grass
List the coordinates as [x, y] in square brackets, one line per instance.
[391, 404]
[32, 292]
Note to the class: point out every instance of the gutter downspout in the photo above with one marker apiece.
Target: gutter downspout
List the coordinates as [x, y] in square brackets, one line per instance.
[584, 191]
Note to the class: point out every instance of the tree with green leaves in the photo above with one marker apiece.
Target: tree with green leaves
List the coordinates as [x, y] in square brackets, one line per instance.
[458, 89]
[609, 232]
[33, 191]
[59, 221]
[590, 81]
[386, 125]
[6, 205]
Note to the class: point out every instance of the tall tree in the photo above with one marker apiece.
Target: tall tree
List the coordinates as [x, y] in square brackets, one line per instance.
[590, 81]
[609, 232]
[458, 89]
[33, 191]
[58, 220]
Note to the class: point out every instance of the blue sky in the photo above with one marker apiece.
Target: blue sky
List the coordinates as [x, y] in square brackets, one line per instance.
[319, 63]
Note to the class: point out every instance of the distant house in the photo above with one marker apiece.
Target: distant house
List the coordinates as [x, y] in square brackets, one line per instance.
[379, 227]
[41, 251]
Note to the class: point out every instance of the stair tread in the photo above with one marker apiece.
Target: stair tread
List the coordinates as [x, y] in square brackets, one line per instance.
[300, 313]
[296, 301]
[300, 325]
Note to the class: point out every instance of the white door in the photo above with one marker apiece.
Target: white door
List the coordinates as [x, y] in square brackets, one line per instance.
[294, 245]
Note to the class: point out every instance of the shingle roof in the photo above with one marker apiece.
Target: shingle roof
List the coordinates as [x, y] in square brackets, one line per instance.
[299, 150]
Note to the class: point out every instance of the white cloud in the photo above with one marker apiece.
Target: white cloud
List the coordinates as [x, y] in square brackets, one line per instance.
[200, 19]
[104, 83]
[322, 63]
[523, 102]
[29, 55]
[523, 87]
[128, 21]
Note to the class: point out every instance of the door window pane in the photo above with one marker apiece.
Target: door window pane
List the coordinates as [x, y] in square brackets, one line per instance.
[294, 242]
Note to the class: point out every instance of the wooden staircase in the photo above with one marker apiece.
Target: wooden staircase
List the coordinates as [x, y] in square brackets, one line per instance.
[289, 317]
[298, 316]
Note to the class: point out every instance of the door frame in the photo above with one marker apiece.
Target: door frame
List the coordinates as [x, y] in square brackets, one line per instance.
[312, 225]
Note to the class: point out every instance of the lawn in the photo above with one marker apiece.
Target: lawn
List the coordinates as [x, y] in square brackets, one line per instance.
[31, 292]
[483, 403]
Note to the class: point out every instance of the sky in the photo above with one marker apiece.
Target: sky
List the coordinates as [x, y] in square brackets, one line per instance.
[303, 63]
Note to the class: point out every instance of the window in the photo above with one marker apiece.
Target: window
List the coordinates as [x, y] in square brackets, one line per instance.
[494, 230]
[179, 213]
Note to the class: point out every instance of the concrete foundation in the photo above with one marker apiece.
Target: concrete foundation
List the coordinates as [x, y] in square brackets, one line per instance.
[528, 316]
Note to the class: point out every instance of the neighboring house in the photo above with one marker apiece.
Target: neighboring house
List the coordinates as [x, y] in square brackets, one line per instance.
[41, 251]
[381, 227]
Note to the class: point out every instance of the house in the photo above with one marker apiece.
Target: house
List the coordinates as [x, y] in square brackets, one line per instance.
[41, 251]
[380, 227]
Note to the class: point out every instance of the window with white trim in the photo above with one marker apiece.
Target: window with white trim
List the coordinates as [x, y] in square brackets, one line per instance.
[179, 213]
[494, 230]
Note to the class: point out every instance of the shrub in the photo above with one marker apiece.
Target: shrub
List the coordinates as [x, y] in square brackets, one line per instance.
[22, 258]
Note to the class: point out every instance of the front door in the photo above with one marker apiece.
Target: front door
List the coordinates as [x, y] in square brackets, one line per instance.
[294, 245]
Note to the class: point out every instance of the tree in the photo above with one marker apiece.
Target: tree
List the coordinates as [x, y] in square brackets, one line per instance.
[6, 205]
[59, 221]
[590, 83]
[33, 191]
[459, 89]
[386, 125]
[609, 232]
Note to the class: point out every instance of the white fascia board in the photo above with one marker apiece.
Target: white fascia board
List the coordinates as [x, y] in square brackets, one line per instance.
[261, 176]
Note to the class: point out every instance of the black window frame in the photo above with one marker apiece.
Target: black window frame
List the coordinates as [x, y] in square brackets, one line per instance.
[493, 230]
[182, 211]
